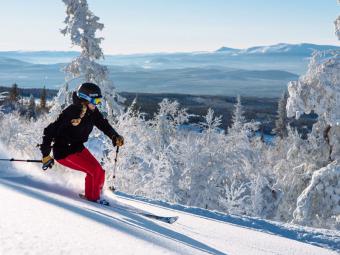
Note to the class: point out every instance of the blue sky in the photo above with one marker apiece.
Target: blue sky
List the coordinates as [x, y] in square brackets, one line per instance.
[137, 26]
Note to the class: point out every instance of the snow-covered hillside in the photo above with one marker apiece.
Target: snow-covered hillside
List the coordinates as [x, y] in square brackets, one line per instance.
[41, 216]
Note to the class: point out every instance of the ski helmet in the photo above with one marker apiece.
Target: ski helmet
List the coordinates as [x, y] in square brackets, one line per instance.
[90, 92]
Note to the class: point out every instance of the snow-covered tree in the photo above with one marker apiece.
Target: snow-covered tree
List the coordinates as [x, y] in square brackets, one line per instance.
[14, 93]
[148, 163]
[282, 120]
[235, 197]
[244, 165]
[211, 124]
[319, 91]
[31, 111]
[288, 160]
[238, 118]
[82, 26]
[61, 101]
[166, 133]
[43, 99]
[202, 174]
[318, 205]
[169, 117]
[337, 25]
[316, 91]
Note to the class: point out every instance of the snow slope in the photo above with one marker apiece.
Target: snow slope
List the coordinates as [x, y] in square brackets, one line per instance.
[41, 215]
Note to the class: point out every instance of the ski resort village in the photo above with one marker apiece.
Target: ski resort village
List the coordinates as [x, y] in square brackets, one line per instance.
[149, 136]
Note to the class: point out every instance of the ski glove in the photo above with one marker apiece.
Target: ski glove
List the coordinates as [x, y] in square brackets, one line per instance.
[48, 162]
[118, 140]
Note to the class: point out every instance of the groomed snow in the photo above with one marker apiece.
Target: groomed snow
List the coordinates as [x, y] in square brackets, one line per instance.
[40, 216]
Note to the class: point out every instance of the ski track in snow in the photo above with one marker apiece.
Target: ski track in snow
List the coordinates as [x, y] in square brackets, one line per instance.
[39, 216]
[320, 237]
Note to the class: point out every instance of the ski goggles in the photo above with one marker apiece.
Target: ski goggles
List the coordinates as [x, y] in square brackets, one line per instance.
[92, 100]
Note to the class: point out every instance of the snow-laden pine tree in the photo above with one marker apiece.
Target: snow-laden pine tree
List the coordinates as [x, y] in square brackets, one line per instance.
[238, 118]
[82, 26]
[319, 91]
[337, 25]
[281, 122]
[14, 93]
[43, 100]
[14, 97]
[248, 182]
[31, 111]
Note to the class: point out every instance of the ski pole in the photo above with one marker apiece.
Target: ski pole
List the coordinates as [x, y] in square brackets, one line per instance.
[23, 160]
[114, 170]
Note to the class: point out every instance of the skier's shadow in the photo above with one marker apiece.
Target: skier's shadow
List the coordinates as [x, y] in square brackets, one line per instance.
[133, 224]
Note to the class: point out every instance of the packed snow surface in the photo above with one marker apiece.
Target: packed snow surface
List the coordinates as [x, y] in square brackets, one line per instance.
[40, 215]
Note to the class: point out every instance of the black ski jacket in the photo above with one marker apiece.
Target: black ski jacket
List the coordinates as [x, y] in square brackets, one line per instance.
[67, 138]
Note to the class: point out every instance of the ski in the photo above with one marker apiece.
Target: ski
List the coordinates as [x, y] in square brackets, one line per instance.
[100, 201]
[165, 219]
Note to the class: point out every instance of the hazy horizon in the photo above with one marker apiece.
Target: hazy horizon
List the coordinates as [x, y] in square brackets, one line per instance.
[170, 52]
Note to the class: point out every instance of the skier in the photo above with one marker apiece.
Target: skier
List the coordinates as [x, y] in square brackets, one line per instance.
[71, 130]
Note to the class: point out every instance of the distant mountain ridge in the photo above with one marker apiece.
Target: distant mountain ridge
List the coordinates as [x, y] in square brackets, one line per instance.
[301, 48]
[260, 71]
[46, 53]
[283, 56]
[7, 62]
[280, 48]
[207, 80]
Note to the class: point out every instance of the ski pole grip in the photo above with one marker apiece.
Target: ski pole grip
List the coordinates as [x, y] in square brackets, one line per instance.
[48, 164]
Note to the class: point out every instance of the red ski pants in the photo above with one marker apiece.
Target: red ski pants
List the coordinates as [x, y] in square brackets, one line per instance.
[95, 175]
